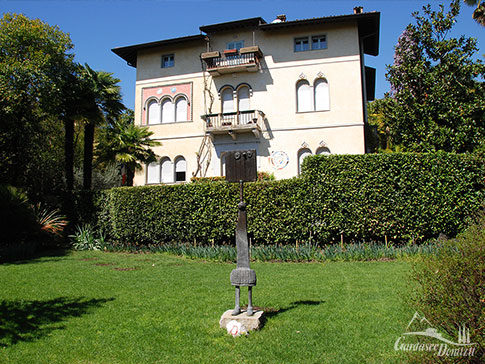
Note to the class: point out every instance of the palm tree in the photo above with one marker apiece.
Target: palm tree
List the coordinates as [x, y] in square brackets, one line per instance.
[102, 105]
[479, 13]
[125, 143]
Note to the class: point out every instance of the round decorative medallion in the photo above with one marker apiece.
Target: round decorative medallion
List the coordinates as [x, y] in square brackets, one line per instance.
[279, 159]
[173, 90]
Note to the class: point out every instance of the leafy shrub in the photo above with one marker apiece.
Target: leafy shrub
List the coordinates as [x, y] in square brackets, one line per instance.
[85, 238]
[451, 288]
[50, 221]
[266, 176]
[404, 197]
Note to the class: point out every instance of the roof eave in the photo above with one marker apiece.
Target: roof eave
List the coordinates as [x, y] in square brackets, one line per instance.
[130, 53]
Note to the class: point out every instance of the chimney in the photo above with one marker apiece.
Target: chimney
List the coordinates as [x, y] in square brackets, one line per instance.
[358, 10]
[281, 17]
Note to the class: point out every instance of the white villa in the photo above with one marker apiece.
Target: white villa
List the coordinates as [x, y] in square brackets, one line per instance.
[287, 89]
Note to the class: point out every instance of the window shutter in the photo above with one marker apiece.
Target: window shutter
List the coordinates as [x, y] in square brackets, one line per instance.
[181, 109]
[168, 112]
[322, 97]
[304, 96]
[153, 113]
[153, 173]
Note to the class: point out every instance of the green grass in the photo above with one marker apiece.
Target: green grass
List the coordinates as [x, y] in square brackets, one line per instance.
[95, 307]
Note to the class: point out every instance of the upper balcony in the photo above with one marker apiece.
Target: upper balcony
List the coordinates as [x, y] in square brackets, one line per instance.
[232, 60]
[234, 123]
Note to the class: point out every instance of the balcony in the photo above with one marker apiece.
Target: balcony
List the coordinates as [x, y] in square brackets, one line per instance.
[234, 123]
[231, 60]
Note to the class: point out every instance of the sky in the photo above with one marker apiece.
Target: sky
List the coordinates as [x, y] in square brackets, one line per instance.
[96, 27]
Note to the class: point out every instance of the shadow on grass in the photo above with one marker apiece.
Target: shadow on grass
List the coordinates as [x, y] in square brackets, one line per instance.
[31, 253]
[22, 320]
[270, 312]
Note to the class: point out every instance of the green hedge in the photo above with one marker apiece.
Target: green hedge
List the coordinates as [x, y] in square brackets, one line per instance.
[406, 197]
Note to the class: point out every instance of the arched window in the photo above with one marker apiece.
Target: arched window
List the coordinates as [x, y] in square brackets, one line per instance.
[153, 173]
[180, 169]
[227, 100]
[153, 112]
[323, 150]
[243, 98]
[167, 171]
[322, 96]
[302, 154]
[181, 109]
[168, 115]
[304, 96]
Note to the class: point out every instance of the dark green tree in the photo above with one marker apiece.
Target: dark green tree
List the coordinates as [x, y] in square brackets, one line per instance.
[438, 100]
[35, 64]
[101, 103]
[126, 144]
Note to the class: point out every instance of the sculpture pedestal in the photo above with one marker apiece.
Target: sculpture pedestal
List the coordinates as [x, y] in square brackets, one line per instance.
[253, 322]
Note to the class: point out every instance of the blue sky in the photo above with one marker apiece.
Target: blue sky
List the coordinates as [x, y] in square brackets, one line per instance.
[96, 27]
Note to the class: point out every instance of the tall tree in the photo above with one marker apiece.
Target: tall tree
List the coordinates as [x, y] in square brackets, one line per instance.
[35, 61]
[102, 105]
[439, 101]
[124, 143]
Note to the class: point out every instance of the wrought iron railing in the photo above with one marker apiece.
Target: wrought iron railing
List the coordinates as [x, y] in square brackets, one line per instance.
[234, 120]
[232, 59]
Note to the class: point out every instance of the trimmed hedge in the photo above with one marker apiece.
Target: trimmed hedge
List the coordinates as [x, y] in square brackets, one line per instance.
[406, 197]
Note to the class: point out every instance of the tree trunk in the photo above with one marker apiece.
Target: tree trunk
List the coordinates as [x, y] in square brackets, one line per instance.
[69, 153]
[130, 175]
[88, 155]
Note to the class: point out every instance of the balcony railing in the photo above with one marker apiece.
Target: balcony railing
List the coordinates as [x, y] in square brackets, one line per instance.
[234, 122]
[230, 61]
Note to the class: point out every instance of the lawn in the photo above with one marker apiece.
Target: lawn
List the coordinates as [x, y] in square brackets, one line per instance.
[94, 307]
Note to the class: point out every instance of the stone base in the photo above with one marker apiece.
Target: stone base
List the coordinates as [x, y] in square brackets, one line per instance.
[253, 322]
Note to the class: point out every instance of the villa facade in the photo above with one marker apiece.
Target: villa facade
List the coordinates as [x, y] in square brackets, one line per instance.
[286, 89]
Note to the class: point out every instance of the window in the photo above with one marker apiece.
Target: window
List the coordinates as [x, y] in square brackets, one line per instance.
[227, 100]
[168, 110]
[153, 173]
[319, 42]
[243, 98]
[302, 154]
[323, 150]
[235, 45]
[181, 109]
[312, 98]
[301, 44]
[168, 60]
[180, 169]
[153, 112]
[322, 97]
[304, 96]
[167, 171]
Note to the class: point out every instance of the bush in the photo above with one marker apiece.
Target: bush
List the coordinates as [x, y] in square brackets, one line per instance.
[451, 288]
[407, 197]
[404, 197]
[85, 238]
